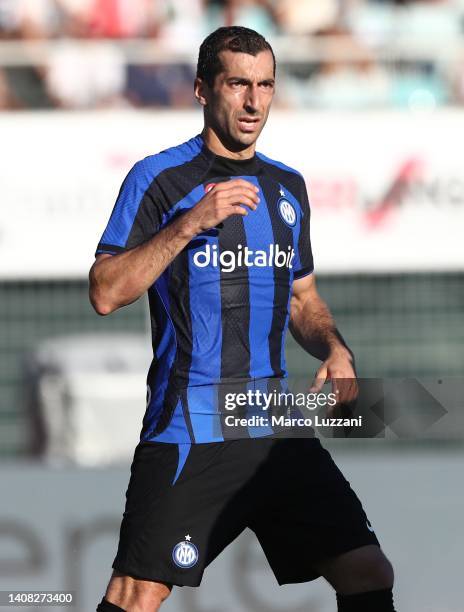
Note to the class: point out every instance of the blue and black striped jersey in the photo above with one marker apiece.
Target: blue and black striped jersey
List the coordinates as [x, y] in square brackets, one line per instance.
[219, 312]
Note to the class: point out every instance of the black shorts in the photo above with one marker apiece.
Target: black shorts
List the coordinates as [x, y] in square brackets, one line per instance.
[180, 516]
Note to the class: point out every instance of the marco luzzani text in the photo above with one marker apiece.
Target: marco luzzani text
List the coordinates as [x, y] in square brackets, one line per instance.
[268, 402]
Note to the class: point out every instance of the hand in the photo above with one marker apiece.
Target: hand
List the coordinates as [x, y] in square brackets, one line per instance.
[338, 368]
[234, 197]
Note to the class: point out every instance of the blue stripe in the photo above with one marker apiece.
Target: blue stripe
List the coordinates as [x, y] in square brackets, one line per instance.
[255, 410]
[205, 313]
[259, 235]
[136, 184]
[176, 431]
[205, 366]
[184, 450]
[204, 416]
[187, 202]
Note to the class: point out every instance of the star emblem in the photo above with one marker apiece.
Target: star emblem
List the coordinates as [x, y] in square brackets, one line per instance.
[282, 192]
[188, 537]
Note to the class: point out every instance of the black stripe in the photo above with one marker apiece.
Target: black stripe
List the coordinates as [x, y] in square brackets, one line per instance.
[283, 236]
[235, 304]
[179, 299]
[110, 248]
[235, 321]
[292, 180]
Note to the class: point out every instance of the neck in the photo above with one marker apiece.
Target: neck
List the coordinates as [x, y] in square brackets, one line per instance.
[223, 148]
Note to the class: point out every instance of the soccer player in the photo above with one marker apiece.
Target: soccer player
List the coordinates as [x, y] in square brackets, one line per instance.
[218, 234]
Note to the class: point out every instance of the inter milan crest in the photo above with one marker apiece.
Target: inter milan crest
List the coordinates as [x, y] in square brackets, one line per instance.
[185, 553]
[287, 212]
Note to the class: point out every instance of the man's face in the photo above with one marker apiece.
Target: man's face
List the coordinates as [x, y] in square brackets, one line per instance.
[237, 106]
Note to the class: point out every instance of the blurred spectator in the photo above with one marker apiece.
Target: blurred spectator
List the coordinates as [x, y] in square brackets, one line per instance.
[373, 23]
[459, 83]
[306, 16]
[419, 21]
[39, 19]
[181, 24]
[83, 73]
[86, 76]
[28, 20]
[163, 85]
[6, 98]
[259, 15]
[180, 28]
[425, 20]
[123, 18]
[9, 18]
[347, 78]
[417, 86]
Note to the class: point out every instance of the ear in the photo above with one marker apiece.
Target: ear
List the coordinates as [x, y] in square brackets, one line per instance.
[200, 89]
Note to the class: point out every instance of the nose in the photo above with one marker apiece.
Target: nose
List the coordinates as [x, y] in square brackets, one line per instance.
[252, 99]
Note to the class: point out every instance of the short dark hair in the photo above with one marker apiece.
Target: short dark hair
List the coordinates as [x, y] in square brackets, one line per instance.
[233, 38]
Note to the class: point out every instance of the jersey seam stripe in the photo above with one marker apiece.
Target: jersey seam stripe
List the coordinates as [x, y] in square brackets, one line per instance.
[303, 272]
[277, 164]
[154, 427]
[167, 314]
[104, 247]
[185, 410]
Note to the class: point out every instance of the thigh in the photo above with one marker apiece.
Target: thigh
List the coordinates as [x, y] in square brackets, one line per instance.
[185, 504]
[310, 514]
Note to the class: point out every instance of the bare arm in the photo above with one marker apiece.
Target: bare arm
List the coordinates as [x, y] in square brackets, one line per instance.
[313, 327]
[118, 280]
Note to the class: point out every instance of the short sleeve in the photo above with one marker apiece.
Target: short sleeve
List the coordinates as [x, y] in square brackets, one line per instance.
[136, 216]
[304, 264]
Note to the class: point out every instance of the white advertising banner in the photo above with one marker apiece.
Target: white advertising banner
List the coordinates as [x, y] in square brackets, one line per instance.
[386, 188]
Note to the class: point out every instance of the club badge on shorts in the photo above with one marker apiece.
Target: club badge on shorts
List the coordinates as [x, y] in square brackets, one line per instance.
[185, 553]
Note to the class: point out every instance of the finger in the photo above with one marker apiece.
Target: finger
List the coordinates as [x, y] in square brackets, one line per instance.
[239, 210]
[319, 380]
[240, 201]
[240, 192]
[236, 184]
[345, 389]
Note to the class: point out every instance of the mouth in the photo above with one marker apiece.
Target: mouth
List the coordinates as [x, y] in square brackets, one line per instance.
[248, 124]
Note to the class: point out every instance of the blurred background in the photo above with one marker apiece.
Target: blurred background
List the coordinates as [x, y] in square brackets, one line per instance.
[369, 107]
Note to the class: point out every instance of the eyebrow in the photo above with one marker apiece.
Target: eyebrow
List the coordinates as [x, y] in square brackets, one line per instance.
[248, 82]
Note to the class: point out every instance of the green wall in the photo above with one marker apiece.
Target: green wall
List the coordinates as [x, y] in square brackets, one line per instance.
[397, 325]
